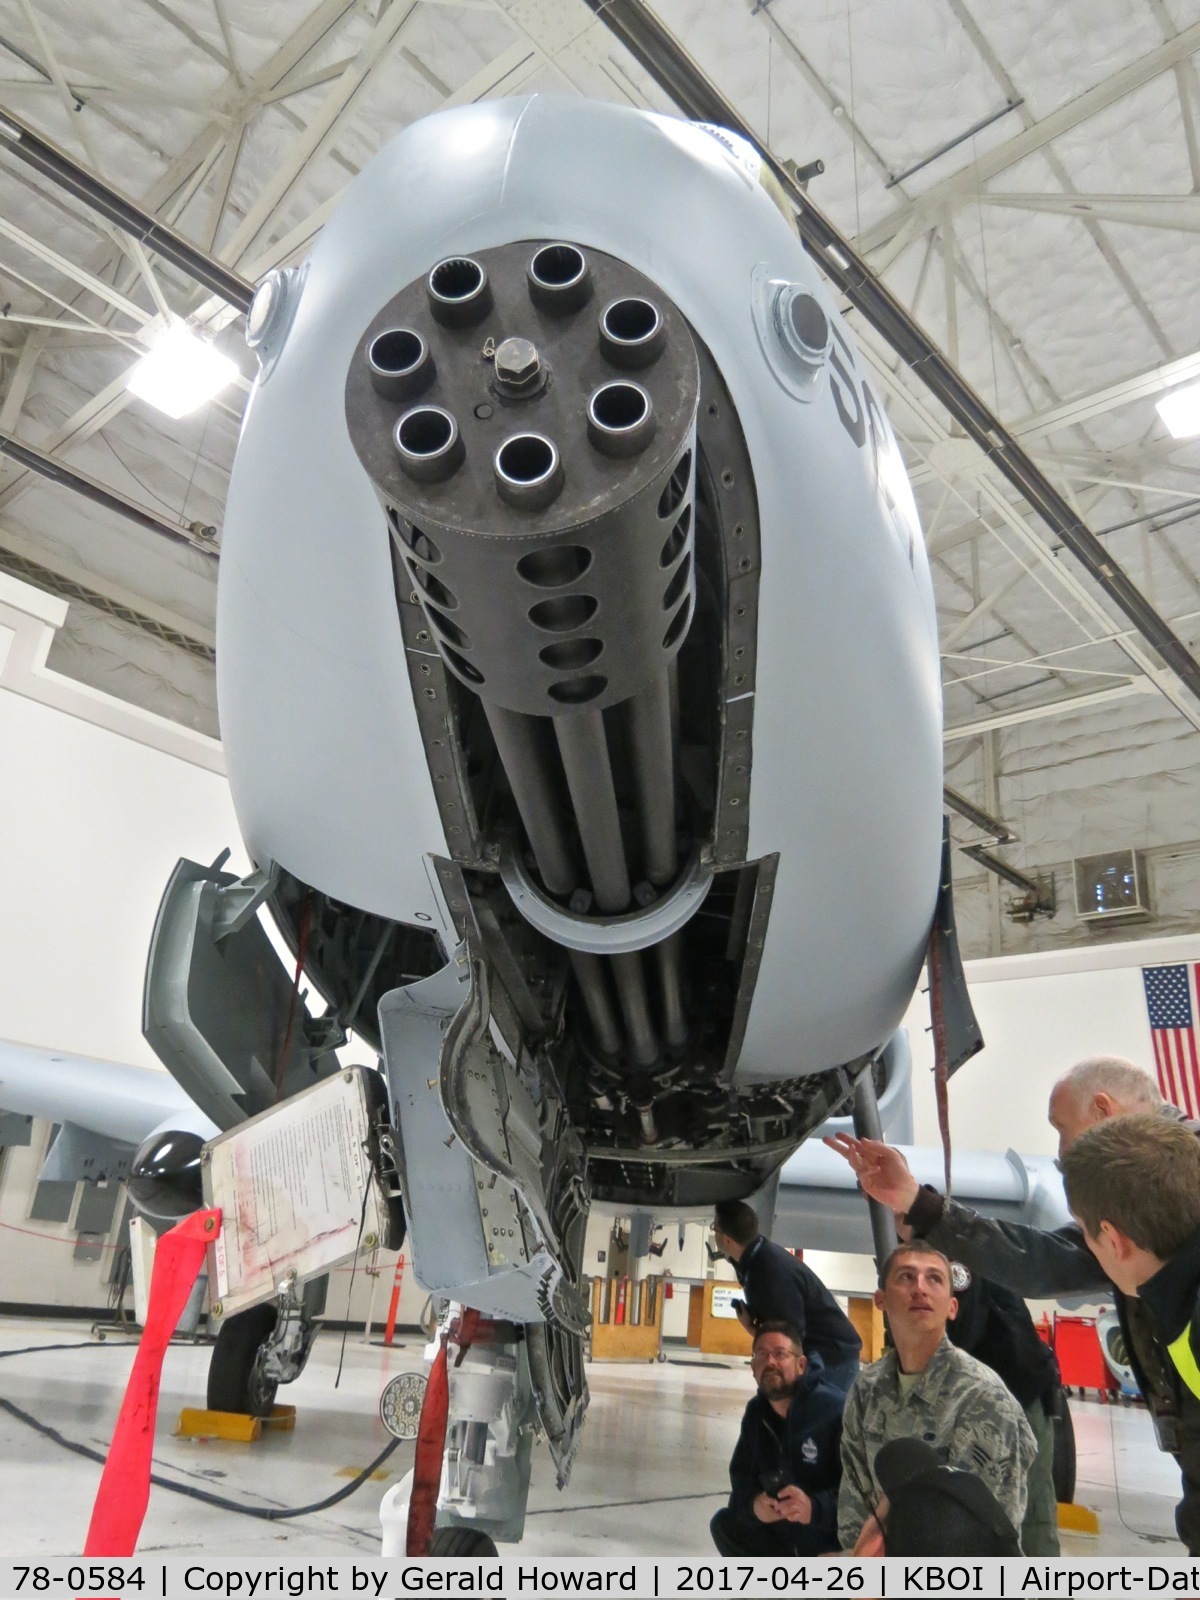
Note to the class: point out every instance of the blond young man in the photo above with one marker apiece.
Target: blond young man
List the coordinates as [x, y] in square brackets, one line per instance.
[1133, 1185]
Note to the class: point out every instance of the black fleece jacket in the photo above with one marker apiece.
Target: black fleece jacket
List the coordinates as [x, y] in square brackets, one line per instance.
[778, 1288]
[806, 1446]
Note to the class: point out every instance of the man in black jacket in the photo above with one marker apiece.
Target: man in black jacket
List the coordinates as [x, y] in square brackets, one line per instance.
[786, 1468]
[993, 1325]
[778, 1288]
[1041, 1265]
[1134, 1186]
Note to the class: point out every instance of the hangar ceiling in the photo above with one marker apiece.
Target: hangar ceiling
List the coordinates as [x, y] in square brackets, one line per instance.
[1025, 178]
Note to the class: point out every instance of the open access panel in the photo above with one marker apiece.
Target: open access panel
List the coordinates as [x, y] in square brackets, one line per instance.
[302, 1188]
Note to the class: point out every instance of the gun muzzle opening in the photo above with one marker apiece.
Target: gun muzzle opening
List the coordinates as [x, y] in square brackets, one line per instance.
[632, 332]
[459, 292]
[620, 419]
[429, 444]
[560, 280]
[400, 364]
[529, 474]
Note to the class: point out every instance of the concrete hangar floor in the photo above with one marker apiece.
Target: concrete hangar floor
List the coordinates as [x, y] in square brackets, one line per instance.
[650, 1473]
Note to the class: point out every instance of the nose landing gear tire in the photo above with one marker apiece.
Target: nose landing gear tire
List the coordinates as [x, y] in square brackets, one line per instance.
[235, 1377]
[461, 1542]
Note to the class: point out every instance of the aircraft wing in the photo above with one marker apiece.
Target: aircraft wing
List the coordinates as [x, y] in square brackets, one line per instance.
[105, 1109]
[820, 1207]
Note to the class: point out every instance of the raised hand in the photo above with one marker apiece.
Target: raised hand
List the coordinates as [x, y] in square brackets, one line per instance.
[882, 1171]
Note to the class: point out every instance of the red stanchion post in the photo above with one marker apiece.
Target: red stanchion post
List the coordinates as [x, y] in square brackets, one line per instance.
[124, 1491]
[427, 1465]
[389, 1332]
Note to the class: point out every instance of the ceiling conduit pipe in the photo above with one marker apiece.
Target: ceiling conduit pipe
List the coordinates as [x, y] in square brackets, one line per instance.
[20, 140]
[196, 537]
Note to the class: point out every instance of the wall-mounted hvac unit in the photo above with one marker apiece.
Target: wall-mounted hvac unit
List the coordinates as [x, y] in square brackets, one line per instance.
[1110, 886]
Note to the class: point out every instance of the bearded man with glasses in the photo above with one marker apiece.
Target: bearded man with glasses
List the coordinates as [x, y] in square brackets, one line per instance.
[786, 1468]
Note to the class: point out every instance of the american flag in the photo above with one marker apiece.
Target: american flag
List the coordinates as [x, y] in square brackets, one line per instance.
[1171, 1004]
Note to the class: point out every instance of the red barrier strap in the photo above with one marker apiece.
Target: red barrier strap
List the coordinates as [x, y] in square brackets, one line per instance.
[124, 1491]
[427, 1468]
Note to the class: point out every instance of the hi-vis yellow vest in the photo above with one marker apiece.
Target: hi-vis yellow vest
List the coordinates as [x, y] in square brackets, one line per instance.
[1184, 1360]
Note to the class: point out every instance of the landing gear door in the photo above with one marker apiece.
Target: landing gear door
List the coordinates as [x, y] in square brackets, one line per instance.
[493, 1177]
[219, 1008]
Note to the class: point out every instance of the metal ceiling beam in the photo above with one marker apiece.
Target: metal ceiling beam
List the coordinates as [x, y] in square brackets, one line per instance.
[104, 330]
[1071, 414]
[661, 54]
[90, 417]
[22, 377]
[1179, 213]
[69, 269]
[185, 633]
[80, 91]
[1054, 708]
[1092, 225]
[962, 628]
[1010, 874]
[215, 313]
[835, 106]
[1000, 833]
[960, 186]
[297, 240]
[234, 106]
[99, 197]
[127, 244]
[229, 105]
[1078, 601]
[1142, 386]
[79, 483]
[983, 820]
[318, 134]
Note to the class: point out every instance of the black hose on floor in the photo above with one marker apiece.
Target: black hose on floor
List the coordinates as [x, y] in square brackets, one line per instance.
[263, 1513]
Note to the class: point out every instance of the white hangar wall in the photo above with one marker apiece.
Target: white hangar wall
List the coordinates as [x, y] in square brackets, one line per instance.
[100, 800]
[1039, 1015]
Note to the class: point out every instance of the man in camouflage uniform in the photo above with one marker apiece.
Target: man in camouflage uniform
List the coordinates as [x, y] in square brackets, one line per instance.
[926, 1389]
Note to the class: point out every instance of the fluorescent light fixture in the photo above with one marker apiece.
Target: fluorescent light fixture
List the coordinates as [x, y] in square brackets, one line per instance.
[1180, 410]
[180, 373]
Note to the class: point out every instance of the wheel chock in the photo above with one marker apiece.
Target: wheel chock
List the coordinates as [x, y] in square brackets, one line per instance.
[1078, 1519]
[197, 1424]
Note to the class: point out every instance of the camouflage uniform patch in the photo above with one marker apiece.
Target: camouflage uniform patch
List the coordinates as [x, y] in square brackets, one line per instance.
[958, 1406]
